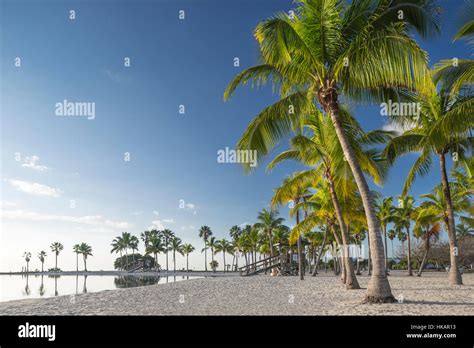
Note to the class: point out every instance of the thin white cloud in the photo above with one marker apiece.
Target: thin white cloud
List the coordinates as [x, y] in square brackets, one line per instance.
[34, 188]
[32, 163]
[391, 126]
[7, 204]
[156, 213]
[160, 224]
[188, 227]
[91, 220]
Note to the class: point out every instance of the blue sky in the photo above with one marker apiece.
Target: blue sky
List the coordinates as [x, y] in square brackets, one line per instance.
[172, 156]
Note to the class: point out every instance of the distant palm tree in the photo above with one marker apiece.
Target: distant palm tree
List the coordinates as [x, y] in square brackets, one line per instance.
[204, 233]
[428, 227]
[56, 248]
[168, 235]
[134, 246]
[384, 210]
[391, 234]
[403, 215]
[176, 246]
[75, 248]
[126, 240]
[267, 223]
[118, 247]
[86, 250]
[27, 256]
[155, 246]
[42, 256]
[187, 249]
[212, 244]
[224, 246]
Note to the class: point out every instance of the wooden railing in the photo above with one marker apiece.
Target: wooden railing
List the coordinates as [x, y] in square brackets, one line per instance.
[259, 266]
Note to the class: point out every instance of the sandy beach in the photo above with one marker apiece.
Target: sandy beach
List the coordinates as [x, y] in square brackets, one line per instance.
[261, 295]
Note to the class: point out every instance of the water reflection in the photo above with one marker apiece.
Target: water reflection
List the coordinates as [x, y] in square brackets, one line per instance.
[17, 287]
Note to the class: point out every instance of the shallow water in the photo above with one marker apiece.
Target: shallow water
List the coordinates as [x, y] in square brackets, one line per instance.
[16, 287]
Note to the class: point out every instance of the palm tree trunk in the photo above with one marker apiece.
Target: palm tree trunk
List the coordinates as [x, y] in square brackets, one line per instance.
[350, 278]
[378, 289]
[187, 262]
[455, 277]
[369, 260]
[77, 262]
[300, 259]
[174, 261]
[384, 228]
[410, 272]
[56, 262]
[223, 253]
[42, 266]
[320, 252]
[85, 266]
[205, 256]
[427, 249]
[393, 254]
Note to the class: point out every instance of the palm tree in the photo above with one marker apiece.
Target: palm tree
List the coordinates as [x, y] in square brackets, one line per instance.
[134, 246]
[118, 247]
[440, 202]
[187, 249]
[427, 226]
[267, 223]
[361, 50]
[385, 211]
[224, 246]
[27, 256]
[403, 214]
[443, 126]
[75, 249]
[126, 242]
[176, 246]
[56, 248]
[155, 246]
[204, 233]
[86, 250]
[42, 256]
[391, 235]
[293, 190]
[211, 244]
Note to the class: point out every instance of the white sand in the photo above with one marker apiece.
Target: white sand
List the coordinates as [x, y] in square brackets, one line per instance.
[262, 295]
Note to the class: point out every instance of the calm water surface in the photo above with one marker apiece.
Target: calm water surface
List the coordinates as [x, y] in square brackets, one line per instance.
[16, 287]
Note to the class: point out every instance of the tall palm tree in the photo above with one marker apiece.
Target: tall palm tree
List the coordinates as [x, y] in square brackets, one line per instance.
[175, 246]
[204, 233]
[187, 249]
[385, 211]
[361, 50]
[403, 215]
[267, 223]
[444, 126]
[155, 246]
[27, 256]
[42, 256]
[56, 248]
[224, 246]
[75, 249]
[86, 250]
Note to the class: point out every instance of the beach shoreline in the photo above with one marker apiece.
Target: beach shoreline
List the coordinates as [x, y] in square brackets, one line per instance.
[261, 295]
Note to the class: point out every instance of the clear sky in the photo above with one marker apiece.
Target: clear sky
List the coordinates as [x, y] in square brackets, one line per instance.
[48, 161]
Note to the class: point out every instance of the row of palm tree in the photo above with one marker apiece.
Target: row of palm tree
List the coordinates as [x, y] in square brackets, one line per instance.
[83, 248]
[155, 243]
[327, 54]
